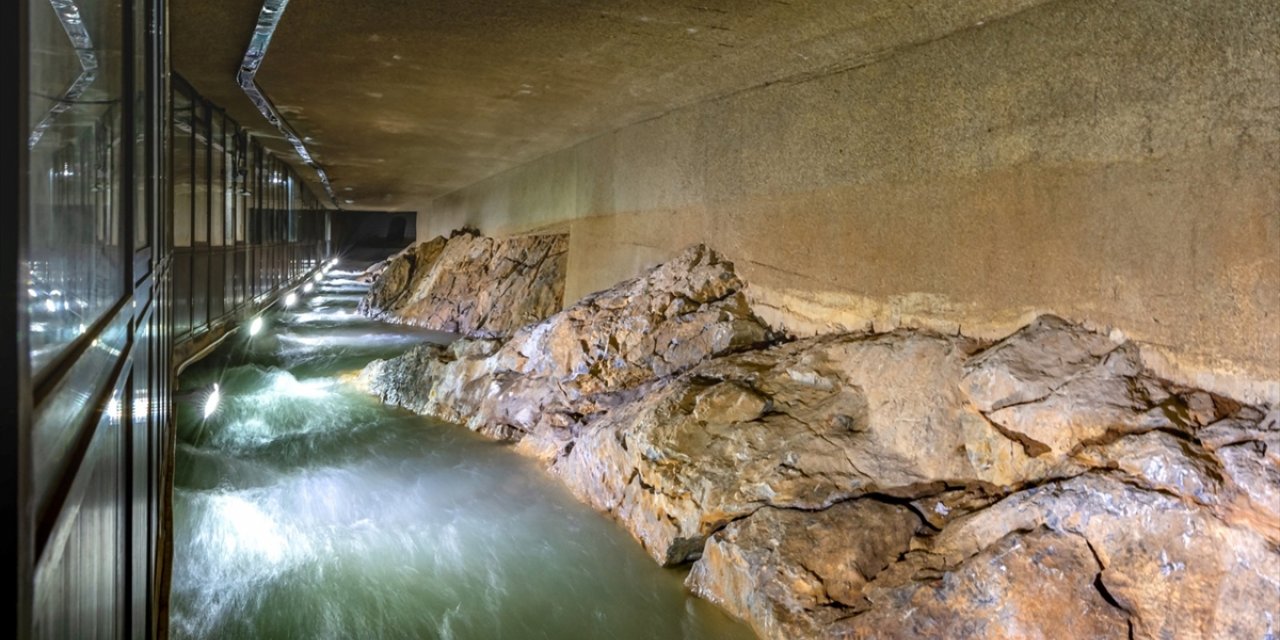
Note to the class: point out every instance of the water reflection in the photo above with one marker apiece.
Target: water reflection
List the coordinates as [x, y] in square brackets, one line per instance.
[305, 509]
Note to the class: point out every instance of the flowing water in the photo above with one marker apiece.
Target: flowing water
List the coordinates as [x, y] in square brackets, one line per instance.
[305, 509]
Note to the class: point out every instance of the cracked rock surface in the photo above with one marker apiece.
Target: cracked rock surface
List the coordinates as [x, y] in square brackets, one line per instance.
[470, 284]
[594, 354]
[894, 485]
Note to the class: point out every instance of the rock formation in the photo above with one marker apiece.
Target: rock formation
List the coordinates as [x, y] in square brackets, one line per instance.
[470, 284]
[591, 355]
[892, 485]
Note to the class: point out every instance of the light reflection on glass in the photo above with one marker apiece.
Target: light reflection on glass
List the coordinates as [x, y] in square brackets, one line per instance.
[75, 222]
[67, 404]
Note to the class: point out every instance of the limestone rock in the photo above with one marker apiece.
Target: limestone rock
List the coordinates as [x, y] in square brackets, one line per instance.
[1038, 585]
[793, 573]
[392, 279]
[1173, 568]
[903, 484]
[690, 466]
[801, 425]
[583, 359]
[471, 284]
[1089, 557]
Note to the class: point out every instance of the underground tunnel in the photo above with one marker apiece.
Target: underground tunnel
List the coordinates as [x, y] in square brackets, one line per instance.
[641, 319]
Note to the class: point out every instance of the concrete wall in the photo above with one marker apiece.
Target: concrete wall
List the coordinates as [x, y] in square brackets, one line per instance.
[1111, 162]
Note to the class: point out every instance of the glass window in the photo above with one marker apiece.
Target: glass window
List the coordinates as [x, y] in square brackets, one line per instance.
[182, 185]
[141, 136]
[229, 196]
[200, 160]
[295, 197]
[216, 184]
[76, 249]
[242, 187]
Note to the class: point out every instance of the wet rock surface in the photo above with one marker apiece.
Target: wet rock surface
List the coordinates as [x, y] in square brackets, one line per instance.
[470, 284]
[892, 485]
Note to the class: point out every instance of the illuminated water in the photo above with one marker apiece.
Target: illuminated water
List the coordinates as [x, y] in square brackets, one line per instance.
[303, 509]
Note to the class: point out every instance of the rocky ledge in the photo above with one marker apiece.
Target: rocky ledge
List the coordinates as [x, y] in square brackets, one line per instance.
[893, 485]
[470, 284]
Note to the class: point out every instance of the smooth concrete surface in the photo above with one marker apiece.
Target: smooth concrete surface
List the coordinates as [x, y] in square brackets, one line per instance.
[1115, 163]
[402, 101]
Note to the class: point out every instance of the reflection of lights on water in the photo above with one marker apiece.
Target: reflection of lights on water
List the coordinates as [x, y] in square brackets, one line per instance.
[251, 529]
[290, 299]
[308, 287]
[211, 402]
[290, 387]
[255, 327]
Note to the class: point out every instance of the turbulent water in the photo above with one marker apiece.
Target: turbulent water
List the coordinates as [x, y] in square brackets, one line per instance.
[304, 509]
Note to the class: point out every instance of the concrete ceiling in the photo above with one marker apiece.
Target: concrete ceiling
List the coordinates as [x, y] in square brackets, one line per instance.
[403, 101]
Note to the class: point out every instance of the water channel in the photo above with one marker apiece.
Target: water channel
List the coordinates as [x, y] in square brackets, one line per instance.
[306, 509]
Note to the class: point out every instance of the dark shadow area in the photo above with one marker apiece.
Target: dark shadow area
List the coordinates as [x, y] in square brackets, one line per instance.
[378, 228]
[373, 235]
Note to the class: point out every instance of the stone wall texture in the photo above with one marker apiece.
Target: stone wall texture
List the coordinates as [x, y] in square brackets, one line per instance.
[896, 484]
[1114, 163]
[470, 284]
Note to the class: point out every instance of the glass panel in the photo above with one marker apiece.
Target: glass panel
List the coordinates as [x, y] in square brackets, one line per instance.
[216, 286]
[229, 191]
[181, 270]
[182, 185]
[240, 280]
[272, 196]
[141, 135]
[76, 250]
[67, 405]
[141, 540]
[229, 280]
[200, 160]
[77, 585]
[242, 199]
[255, 199]
[216, 185]
[295, 206]
[199, 288]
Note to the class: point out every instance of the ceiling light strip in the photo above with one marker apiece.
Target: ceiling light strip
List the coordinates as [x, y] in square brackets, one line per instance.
[268, 19]
[69, 15]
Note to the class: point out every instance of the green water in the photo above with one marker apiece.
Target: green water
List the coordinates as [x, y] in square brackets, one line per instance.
[304, 509]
